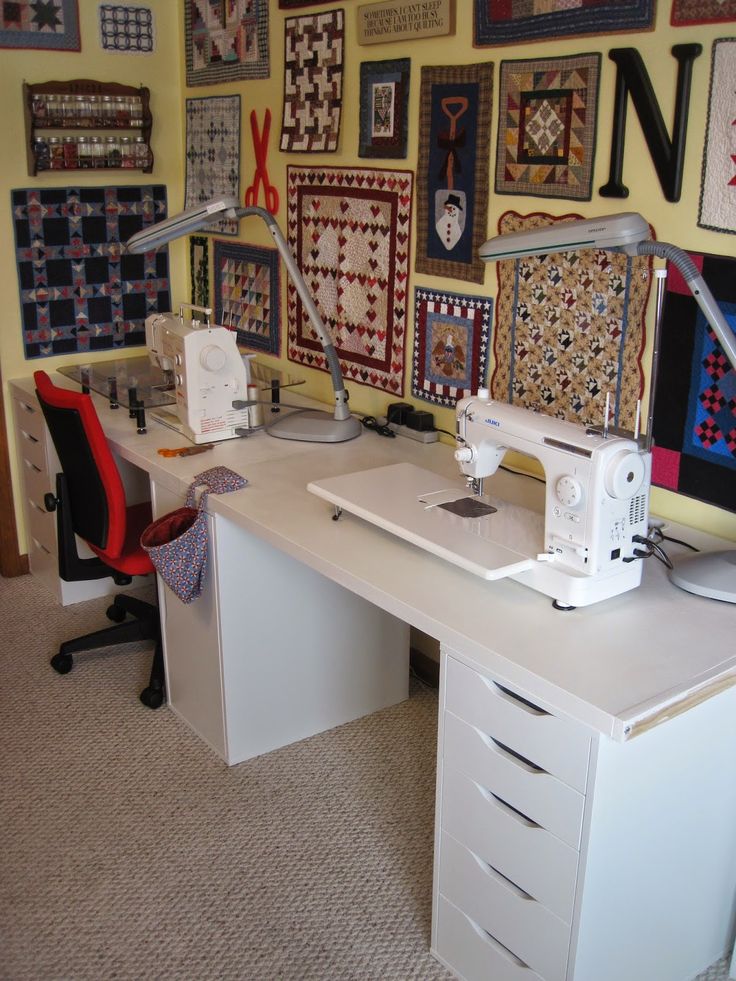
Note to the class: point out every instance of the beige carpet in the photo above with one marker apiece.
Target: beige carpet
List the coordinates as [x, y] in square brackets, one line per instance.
[129, 851]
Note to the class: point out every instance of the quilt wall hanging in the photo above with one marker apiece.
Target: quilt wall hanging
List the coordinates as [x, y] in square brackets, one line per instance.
[313, 71]
[569, 329]
[79, 292]
[225, 40]
[247, 294]
[718, 181]
[384, 106]
[199, 272]
[452, 170]
[687, 12]
[695, 400]
[52, 25]
[127, 30]
[547, 126]
[349, 230]
[213, 153]
[502, 22]
[451, 343]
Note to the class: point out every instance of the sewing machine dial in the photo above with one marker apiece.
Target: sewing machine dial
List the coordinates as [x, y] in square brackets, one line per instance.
[568, 491]
[212, 358]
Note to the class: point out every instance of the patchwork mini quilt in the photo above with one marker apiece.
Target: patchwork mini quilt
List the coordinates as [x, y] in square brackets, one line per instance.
[570, 329]
[247, 294]
[452, 190]
[79, 291]
[128, 30]
[349, 231]
[313, 73]
[213, 154]
[225, 41]
[718, 181]
[547, 126]
[695, 399]
[451, 343]
[51, 25]
[384, 106]
[505, 22]
[687, 12]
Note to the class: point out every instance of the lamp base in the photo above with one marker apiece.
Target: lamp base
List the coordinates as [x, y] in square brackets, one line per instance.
[314, 426]
[709, 574]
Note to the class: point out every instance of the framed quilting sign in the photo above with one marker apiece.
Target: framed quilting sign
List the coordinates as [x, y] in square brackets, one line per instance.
[570, 330]
[452, 335]
[695, 400]
[452, 186]
[79, 291]
[349, 229]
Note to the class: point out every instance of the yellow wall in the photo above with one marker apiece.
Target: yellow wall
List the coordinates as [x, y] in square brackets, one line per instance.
[676, 223]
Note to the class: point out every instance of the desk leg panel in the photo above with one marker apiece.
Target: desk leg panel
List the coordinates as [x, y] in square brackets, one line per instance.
[300, 654]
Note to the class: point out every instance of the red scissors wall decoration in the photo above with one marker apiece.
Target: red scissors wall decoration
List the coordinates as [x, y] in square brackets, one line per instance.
[260, 146]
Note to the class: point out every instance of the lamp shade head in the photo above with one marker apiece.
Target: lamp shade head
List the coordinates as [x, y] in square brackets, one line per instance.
[620, 231]
[184, 223]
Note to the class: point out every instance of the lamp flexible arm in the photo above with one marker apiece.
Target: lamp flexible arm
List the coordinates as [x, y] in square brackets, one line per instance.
[699, 289]
[341, 396]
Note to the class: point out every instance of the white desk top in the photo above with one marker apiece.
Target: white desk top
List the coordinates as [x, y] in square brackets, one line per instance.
[617, 666]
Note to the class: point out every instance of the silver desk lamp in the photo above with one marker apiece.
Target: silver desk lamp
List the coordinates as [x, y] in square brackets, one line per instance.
[310, 425]
[710, 574]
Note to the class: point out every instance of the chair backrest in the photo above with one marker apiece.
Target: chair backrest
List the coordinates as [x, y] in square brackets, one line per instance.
[96, 496]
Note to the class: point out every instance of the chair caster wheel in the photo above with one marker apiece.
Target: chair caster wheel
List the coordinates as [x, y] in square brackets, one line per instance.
[152, 698]
[63, 663]
[115, 614]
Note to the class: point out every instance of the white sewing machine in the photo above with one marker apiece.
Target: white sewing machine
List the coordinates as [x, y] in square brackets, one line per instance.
[208, 374]
[596, 501]
[596, 498]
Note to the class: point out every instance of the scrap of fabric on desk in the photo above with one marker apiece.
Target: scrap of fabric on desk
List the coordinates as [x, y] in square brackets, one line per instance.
[569, 329]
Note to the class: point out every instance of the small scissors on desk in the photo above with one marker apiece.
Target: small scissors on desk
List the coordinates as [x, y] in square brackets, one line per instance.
[260, 145]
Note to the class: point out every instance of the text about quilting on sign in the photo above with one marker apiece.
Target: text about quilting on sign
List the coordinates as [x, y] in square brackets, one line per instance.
[420, 17]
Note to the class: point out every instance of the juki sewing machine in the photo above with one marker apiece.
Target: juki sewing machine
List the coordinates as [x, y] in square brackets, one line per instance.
[208, 374]
[581, 550]
[596, 498]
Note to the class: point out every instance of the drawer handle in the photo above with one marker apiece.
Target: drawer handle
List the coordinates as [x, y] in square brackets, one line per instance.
[511, 755]
[502, 879]
[32, 466]
[496, 945]
[31, 439]
[518, 700]
[41, 547]
[513, 812]
[30, 409]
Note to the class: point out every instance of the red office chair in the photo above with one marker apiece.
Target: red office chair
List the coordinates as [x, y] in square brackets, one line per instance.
[90, 502]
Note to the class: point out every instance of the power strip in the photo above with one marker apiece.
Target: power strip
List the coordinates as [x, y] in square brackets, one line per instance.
[421, 436]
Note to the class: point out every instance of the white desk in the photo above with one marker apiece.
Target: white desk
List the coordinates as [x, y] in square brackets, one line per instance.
[611, 821]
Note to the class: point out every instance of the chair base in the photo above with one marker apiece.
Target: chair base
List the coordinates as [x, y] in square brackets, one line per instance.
[144, 625]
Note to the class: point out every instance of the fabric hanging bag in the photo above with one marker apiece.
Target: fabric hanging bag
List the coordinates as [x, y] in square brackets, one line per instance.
[177, 542]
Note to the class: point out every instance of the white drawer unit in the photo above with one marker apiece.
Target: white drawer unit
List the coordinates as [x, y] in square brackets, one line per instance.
[38, 466]
[511, 804]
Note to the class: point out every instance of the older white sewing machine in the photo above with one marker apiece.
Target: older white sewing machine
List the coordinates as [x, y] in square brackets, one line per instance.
[580, 551]
[208, 372]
